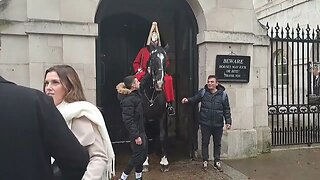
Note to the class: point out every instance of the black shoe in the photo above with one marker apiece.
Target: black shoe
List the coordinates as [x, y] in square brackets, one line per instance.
[217, 166]
[171, 111]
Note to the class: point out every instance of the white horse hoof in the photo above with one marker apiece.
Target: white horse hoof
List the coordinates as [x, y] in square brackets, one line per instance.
[145, 169]
[164, 168]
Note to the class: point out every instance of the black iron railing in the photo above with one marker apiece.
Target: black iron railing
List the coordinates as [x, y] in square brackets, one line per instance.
[293, 60]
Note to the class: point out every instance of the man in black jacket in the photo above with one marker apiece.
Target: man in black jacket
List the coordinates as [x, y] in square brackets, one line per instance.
[132, 116]
[316, 81]
[213, 111]
[31, 132]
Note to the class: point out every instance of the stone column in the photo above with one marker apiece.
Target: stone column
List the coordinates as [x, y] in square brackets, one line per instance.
[232, 27]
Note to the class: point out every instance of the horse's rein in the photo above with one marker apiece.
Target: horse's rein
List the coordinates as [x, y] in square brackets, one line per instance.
[151, 100]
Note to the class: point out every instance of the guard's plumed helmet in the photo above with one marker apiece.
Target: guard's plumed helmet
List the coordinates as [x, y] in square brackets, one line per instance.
[154, 34]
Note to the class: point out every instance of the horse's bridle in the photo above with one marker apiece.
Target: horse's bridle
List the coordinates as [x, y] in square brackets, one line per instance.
[162, 57]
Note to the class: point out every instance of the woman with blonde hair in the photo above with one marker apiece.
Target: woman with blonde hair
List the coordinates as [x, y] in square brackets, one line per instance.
[83, 118]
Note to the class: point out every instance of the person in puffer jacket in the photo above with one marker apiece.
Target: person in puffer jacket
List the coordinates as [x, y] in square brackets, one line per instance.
[133, 119]
[214, 113]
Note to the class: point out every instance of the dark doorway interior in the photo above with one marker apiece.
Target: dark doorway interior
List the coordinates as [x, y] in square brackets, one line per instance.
[120, 41]
[123, 29]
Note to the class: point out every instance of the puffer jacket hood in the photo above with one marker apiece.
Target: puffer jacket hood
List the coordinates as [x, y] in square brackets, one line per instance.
[122, 91]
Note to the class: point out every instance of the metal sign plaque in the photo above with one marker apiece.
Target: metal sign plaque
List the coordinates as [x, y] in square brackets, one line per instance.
[231, 68]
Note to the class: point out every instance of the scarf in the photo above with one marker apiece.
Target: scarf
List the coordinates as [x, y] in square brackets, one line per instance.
[83, 108]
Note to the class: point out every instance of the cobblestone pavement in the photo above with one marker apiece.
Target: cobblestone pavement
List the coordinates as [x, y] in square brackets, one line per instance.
[187, 170]
[288, 164]
[182, 169]
[284, 164]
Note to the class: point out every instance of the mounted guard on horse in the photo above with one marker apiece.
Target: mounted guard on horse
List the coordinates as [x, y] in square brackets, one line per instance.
[141, 62]
[158, 98]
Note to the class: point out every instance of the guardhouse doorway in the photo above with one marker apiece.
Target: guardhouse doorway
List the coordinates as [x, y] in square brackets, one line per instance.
[123, 29]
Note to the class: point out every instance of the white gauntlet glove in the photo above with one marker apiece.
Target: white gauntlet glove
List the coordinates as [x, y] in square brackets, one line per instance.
[139, 70]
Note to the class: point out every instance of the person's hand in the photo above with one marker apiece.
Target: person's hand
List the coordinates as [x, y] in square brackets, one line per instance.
[139, 70]
[228, 126]
[184, 100]
[138, 141]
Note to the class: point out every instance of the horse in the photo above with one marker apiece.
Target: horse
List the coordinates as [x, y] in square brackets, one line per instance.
[154, 103]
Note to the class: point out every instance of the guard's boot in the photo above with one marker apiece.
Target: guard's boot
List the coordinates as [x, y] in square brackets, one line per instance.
[170, 108]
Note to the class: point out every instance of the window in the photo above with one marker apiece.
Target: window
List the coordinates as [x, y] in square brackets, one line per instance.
[281, 64]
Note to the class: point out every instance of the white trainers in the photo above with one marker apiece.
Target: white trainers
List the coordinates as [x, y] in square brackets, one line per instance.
[217, 166]
[205, 164]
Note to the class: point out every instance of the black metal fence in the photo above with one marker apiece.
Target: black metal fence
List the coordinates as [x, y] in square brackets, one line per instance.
[294, 69]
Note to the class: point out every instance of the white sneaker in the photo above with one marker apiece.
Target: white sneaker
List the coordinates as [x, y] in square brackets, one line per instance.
[217, 166]
[205, 164]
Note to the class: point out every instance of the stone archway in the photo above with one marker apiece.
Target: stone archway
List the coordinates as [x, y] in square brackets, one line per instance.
[122, 32]
[55, 32]
[245, 36]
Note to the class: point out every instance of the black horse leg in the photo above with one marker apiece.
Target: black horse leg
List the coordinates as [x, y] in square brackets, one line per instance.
[163, 134]
[164, 163]
[151, 127]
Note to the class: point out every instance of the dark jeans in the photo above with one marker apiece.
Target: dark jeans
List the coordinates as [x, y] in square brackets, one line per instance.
[206, 133]
[139, 155]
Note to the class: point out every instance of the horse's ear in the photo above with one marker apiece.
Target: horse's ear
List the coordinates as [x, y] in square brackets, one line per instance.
[166, 47]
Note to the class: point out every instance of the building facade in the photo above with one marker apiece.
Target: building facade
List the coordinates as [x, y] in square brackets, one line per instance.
[292, 12]
[293, 62]
[36, 34]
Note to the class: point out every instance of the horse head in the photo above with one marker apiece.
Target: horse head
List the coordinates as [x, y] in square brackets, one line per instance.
[157, 64]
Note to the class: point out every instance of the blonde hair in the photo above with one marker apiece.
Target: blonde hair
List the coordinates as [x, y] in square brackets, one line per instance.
[70, 81]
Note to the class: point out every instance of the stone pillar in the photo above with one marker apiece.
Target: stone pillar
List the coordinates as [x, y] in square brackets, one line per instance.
[233, 28]
[36, 34]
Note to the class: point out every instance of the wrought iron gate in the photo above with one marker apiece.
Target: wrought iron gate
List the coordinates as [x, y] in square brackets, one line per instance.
[292, 84]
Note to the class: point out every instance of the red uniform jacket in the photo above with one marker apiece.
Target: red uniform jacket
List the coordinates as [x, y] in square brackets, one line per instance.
[141, 61]
[142, 58]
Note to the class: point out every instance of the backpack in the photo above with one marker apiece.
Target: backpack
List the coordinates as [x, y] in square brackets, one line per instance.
[224, 94]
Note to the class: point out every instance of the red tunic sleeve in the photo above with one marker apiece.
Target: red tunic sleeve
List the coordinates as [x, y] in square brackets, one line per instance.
[143, 56]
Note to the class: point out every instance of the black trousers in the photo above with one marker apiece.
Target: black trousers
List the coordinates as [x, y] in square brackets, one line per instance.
[206, 133]
[139, 155]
